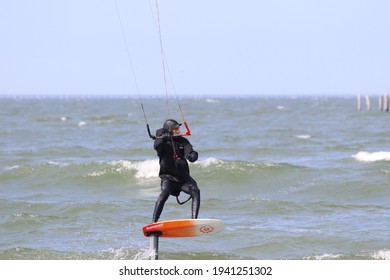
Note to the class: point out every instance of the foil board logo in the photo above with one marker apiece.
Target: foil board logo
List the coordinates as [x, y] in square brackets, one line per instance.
[206, 229]
[154, 226]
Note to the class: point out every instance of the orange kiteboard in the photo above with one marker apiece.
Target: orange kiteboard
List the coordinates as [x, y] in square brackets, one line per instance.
[183, 228]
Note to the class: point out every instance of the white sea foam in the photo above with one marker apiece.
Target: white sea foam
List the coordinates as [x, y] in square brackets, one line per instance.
[144, 169]
[12, 167]
[208, 162]
[96, 173]
[372, 157]
[303, 136]
[60, 164]
[144, 254]
[381, 255]
[325, 256]
[209, 100]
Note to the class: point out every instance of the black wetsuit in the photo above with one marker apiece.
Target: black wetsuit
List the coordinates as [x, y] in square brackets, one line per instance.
[175, 173]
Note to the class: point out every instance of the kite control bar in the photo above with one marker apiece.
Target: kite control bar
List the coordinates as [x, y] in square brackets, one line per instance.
[153, 137]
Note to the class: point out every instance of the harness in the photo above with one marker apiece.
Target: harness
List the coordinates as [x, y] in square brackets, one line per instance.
[181, 203]
[177, 193]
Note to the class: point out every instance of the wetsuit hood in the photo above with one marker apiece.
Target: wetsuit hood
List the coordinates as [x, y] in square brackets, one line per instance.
[170, 125]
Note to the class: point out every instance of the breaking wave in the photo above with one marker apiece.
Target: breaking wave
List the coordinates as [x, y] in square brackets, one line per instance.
[372, 157]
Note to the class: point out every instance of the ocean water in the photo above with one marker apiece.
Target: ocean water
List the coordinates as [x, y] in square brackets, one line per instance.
[292, 178]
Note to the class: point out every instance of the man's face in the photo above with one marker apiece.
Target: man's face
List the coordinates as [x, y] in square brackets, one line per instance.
[176, 131]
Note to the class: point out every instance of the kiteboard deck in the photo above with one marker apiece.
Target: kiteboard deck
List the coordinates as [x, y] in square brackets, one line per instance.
[183, 228]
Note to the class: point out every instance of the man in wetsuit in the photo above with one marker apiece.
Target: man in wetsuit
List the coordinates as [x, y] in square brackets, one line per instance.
[173, 151]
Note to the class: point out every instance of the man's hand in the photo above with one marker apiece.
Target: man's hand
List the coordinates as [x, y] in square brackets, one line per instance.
[166, 137]
[192, 157]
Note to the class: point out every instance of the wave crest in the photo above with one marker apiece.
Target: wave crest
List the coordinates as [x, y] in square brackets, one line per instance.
[372, 157]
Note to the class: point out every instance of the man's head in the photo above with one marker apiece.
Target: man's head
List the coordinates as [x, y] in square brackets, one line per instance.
[172, 126]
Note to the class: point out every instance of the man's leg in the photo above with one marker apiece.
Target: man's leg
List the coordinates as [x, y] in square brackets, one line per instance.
[165, 191]
[192, 189]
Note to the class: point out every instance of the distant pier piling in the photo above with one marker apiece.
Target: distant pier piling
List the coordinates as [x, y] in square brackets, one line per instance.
[383, 102]
[368, 103]
[359, 102]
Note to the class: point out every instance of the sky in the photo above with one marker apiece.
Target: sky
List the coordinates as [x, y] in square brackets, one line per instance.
[212, 47]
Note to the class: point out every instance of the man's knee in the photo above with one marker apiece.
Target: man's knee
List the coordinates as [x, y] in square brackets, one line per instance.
[194, 190]
[163, 195]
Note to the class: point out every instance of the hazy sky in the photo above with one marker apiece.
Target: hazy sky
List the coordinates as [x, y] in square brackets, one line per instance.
[213, 47]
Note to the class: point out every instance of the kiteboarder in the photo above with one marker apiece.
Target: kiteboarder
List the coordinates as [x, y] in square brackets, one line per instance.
[173, 151]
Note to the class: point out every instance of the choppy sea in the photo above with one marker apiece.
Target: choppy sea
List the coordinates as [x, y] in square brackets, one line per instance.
[292, 178]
